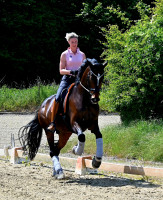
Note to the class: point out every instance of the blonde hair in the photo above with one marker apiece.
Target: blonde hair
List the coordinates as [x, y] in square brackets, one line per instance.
[71, 35]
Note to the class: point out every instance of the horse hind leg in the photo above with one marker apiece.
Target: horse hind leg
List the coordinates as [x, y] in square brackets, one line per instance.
[54, 153]
[57, 169]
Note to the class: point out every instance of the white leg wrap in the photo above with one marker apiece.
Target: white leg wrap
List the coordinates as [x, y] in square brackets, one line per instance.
[80, 148]
[99, 147]
[56, 164]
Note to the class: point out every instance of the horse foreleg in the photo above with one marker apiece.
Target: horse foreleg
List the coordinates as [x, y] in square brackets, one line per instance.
[79, 148]
[96, 162]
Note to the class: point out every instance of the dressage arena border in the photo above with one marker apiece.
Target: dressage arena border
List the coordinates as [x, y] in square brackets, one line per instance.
[83, 164]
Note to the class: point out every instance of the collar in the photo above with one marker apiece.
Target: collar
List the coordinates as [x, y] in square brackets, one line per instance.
[72, 52]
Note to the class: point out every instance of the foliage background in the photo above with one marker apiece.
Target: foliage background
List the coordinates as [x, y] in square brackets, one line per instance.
[128, 34]
[135, 66]
[32, 35]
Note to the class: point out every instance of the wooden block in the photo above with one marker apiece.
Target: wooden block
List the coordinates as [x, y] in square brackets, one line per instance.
[80, 165]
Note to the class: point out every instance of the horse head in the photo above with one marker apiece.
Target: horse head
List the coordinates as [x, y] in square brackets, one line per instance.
[91, 78]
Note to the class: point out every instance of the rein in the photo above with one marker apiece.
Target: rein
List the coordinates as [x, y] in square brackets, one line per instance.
[85, 88]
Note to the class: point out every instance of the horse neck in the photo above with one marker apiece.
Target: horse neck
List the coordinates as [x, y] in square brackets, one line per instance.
[83, 92]
[84, 77]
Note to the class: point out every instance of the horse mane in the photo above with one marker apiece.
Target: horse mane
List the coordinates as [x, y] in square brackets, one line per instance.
[93, 63]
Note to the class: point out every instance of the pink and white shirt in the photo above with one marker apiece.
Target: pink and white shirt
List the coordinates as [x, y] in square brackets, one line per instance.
[74, 61]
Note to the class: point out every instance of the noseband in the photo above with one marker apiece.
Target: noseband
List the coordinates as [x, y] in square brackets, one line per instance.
[96, 89]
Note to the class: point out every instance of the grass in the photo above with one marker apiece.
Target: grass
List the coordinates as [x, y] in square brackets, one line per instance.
[141, 140]
[29, 99]
[21, 100]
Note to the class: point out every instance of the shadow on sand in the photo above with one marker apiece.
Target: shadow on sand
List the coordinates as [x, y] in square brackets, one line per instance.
[110, 181]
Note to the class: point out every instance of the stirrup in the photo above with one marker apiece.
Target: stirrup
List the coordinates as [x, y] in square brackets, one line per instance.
[51, 124]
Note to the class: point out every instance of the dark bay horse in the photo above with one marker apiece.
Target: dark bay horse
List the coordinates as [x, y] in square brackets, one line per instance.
[81, 113]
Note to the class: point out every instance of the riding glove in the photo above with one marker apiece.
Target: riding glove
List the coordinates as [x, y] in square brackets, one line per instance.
[74, 72]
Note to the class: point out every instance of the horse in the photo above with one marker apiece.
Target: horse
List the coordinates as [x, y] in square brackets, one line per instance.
[81, 111]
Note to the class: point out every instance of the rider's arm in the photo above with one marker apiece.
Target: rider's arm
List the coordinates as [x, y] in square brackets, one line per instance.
[84, 57]
[62, 65]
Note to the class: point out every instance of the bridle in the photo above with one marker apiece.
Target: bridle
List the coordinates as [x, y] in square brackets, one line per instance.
[96, 89]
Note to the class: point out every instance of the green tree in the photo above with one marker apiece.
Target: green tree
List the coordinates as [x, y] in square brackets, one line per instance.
[97, 14]
[32, 37]
[32, 33]
[134, 66]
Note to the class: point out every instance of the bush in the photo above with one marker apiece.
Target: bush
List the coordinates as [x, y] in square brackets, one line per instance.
[134, 67]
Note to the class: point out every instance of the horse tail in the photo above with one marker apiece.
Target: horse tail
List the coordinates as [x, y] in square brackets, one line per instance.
[30, 137]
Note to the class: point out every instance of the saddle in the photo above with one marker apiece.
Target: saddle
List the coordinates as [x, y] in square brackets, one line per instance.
[64, 99]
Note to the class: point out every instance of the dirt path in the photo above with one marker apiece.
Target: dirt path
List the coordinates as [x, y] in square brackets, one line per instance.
[34, 182]
[19, 182]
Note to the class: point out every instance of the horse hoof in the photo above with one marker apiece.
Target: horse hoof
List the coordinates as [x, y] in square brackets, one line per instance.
[54, 173]
[59, 176]
[96, 162]
[73, 149]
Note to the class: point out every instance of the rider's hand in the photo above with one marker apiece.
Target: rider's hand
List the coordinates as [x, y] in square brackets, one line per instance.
[74, 72]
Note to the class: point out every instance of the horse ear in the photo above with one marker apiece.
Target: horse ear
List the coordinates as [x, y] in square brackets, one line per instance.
[105, 63]
[92, 61]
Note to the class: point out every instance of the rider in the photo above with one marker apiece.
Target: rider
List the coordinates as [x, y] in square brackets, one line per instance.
[70, 61]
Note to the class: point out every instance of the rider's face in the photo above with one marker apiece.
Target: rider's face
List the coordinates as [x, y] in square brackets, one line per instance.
[73, 42]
